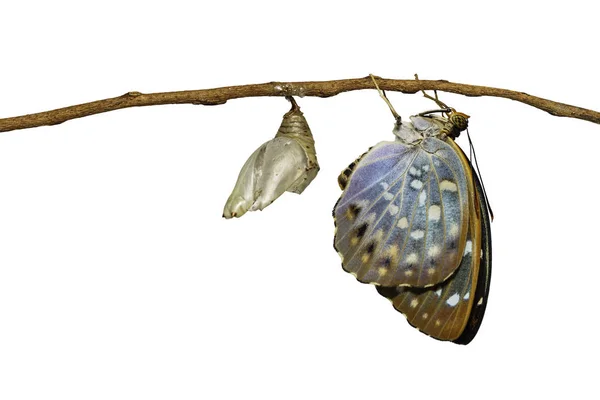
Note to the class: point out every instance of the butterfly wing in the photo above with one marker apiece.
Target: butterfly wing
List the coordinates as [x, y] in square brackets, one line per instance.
[485, 271]
[402, 219]
[453, 310]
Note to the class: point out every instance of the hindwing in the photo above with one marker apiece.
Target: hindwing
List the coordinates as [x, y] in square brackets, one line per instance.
[454, 309]
[485, 270]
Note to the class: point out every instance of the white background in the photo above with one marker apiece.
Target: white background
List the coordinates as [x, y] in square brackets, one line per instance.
[120, 280]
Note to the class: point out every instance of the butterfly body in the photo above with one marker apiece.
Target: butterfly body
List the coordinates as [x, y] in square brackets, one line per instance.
[410, 220]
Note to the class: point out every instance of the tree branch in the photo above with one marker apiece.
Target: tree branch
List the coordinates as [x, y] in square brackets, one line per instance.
[301, 89]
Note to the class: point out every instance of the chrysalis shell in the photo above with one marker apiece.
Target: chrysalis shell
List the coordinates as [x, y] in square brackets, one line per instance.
[288, 162]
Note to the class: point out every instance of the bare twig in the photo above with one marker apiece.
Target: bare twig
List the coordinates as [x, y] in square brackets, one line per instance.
[319, 89]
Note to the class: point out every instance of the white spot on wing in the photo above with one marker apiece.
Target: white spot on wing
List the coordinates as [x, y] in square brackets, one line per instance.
[434, 212]
[414, 303]
[426, 167]
[418, 234]
[466, 296]
[412, 258]
[433, 251]
[480, 302]
[448, 185]
[422, 198]
[453, 300]
[438, 292]
[416, 184]
[384, 185]
[388, 196]
[415, 172]
[394, 209]
[468, 247]
[403, 223]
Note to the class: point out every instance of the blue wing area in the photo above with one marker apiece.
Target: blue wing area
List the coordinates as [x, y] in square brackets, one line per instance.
[402, 219]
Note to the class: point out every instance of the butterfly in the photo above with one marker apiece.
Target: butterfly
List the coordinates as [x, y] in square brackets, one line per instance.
[413, 219]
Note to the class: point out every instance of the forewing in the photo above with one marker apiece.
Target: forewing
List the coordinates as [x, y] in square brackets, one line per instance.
[402, 219]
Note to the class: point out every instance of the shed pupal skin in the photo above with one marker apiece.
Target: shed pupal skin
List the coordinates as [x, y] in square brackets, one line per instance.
[287, 162]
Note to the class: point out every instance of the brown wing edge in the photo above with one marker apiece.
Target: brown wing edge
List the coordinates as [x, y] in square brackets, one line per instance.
[485, 270]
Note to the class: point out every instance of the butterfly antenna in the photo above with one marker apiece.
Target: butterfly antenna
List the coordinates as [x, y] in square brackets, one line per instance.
[485, 196]
[470, 150]
[384, 97]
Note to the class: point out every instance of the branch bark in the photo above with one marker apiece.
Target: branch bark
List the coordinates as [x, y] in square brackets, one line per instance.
[319, 89]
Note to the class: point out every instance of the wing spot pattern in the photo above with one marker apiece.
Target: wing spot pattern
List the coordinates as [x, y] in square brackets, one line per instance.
[448, 185]
[359, 233]
[414, 172]
[416, 184]
[352, 212]
[434, 251]
[422, 198]
[468, 247]
[393, 251]
[418, 234]
[415, 220]
[453, 300]
[453, 231]
[435, 213]
[403, 223]
[366, 257]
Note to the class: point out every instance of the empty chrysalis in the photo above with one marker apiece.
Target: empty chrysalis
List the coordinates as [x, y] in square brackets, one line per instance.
[288, 162]
[414, 221]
